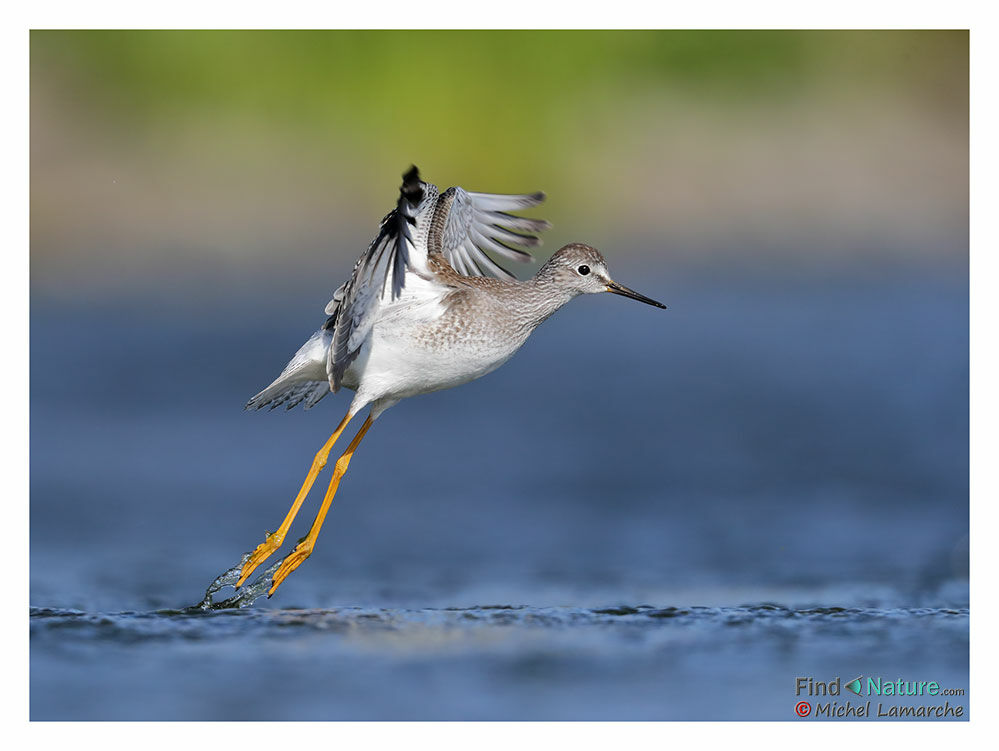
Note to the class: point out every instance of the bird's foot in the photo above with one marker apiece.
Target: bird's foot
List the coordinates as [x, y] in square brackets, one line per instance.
[293, 560]
[261, 553]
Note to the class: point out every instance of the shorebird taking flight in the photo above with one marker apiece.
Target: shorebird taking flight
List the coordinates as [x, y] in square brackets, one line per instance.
[425, 309]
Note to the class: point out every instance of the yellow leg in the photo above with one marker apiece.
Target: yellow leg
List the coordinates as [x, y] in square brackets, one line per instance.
[304, 548]
[273, 540]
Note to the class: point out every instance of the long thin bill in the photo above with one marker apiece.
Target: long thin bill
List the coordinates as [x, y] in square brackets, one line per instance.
[620, 289]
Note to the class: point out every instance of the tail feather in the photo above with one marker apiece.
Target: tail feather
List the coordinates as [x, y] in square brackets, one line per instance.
[304, 378]
[290, 395]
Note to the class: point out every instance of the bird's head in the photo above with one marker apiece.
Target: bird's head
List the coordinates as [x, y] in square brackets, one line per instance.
[583, 270]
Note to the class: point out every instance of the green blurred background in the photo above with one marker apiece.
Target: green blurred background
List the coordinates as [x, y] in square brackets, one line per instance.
[220, 155]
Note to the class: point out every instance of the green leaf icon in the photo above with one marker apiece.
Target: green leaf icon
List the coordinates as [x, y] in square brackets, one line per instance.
[854, 685]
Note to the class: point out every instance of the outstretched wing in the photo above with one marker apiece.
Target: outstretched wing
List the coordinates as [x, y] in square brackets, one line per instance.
[459, 225]
[381, 270]
[465, 225]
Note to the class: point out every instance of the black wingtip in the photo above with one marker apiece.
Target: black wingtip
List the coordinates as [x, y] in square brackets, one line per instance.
[412, 189]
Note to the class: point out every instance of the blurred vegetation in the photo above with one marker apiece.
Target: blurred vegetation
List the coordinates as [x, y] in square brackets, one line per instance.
[450, 93]
[662, 115]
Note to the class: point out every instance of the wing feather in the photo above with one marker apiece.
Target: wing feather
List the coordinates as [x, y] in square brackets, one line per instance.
[467, 226]
[485, 264]
[519, 223]
[462, 262]
[483, 242]
[501, 202]
[505, 236]
[382, 266]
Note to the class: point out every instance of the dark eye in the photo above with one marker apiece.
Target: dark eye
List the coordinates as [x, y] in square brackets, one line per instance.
[583, 270]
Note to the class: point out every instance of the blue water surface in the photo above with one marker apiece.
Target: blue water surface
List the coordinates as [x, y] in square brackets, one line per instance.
[643, 515]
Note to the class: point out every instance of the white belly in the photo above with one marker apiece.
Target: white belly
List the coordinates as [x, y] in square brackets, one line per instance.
[399, 364]
[419, 344]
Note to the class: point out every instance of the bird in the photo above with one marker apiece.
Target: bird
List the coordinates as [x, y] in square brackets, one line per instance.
[426, 308]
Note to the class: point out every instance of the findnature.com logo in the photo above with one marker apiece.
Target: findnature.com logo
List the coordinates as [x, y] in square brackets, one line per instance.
[873, 686]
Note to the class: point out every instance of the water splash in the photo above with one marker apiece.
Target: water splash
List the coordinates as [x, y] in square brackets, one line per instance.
[245, 596]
